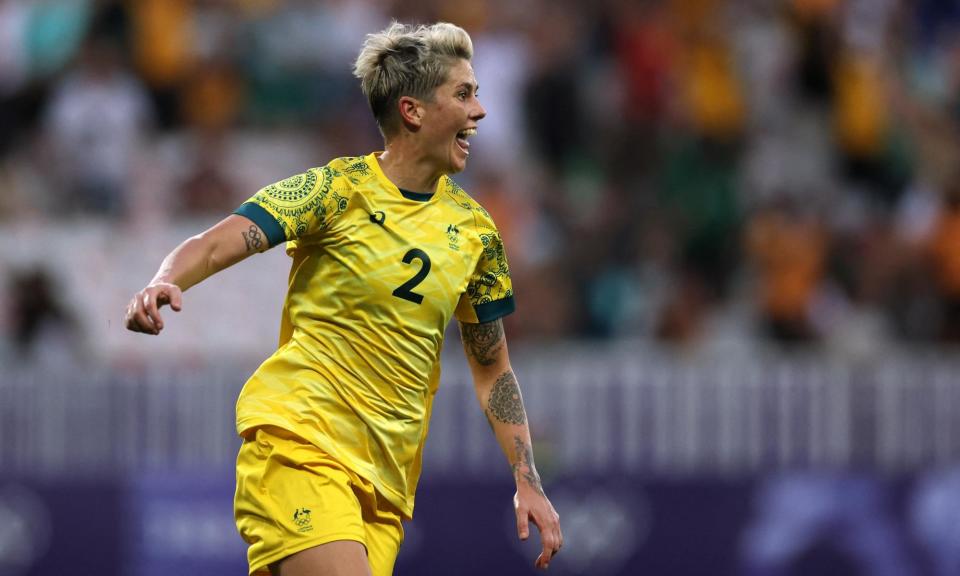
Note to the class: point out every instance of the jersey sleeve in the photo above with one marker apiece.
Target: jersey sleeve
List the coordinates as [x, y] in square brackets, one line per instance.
[296, 207]
[489, 293]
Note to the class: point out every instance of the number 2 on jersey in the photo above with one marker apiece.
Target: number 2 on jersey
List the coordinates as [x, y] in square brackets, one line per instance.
[405, 290]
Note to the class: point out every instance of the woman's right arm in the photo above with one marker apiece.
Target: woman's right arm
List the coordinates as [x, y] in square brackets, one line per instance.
[223, 245]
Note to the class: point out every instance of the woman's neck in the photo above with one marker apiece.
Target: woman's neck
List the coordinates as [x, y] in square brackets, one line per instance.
[408, 170]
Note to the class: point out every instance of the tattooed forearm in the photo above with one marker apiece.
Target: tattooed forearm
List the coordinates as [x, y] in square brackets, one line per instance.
[523, 466]
[505, 403]
[253, 239]
[482, 341]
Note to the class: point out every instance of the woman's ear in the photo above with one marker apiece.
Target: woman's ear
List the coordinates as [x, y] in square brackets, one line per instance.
[411, 112]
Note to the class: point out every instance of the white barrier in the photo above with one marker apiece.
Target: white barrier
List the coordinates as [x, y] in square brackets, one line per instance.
[593, 412]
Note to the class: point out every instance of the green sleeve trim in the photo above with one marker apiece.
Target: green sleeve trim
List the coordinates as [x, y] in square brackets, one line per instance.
[490, 311]
[264, 220]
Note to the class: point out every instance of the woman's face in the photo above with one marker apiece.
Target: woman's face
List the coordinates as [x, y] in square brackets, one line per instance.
[451, 119]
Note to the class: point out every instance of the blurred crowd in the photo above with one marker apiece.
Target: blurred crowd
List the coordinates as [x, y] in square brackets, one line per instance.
[671, 170]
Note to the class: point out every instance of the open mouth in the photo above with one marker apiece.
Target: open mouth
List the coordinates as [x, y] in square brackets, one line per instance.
[462, 137]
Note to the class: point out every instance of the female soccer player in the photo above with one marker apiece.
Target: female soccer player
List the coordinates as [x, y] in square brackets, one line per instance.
[386, 248]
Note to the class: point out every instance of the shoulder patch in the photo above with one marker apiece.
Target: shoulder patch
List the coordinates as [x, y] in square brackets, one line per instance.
[296, 198]
[292, 190]
[494, 253]
[496, 259]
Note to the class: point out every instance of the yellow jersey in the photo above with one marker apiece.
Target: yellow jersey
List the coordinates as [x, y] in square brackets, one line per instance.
[377, 275]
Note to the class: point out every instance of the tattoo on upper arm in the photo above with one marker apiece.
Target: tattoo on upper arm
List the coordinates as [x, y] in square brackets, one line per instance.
[253, 239]
[523, 464]
[505, 403]
[482, 341]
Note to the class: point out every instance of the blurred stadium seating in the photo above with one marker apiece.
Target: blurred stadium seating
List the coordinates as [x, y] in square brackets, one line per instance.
[734, 229]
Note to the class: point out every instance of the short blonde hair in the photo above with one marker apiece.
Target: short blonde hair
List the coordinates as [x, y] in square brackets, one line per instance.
[406, 60]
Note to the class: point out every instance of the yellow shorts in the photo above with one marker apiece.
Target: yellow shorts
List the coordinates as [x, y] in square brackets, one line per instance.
[292, 496]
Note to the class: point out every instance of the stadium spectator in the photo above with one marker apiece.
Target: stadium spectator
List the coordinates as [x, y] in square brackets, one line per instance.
[42, 328]
[208, 188]
[96, 123]
[787, 247]
[945, 261]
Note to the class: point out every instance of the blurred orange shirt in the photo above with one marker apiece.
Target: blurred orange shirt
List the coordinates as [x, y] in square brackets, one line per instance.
[790, 257]
[945, 251]
[713, 90]
[163, 42]
[815, 8]
[861, 107]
